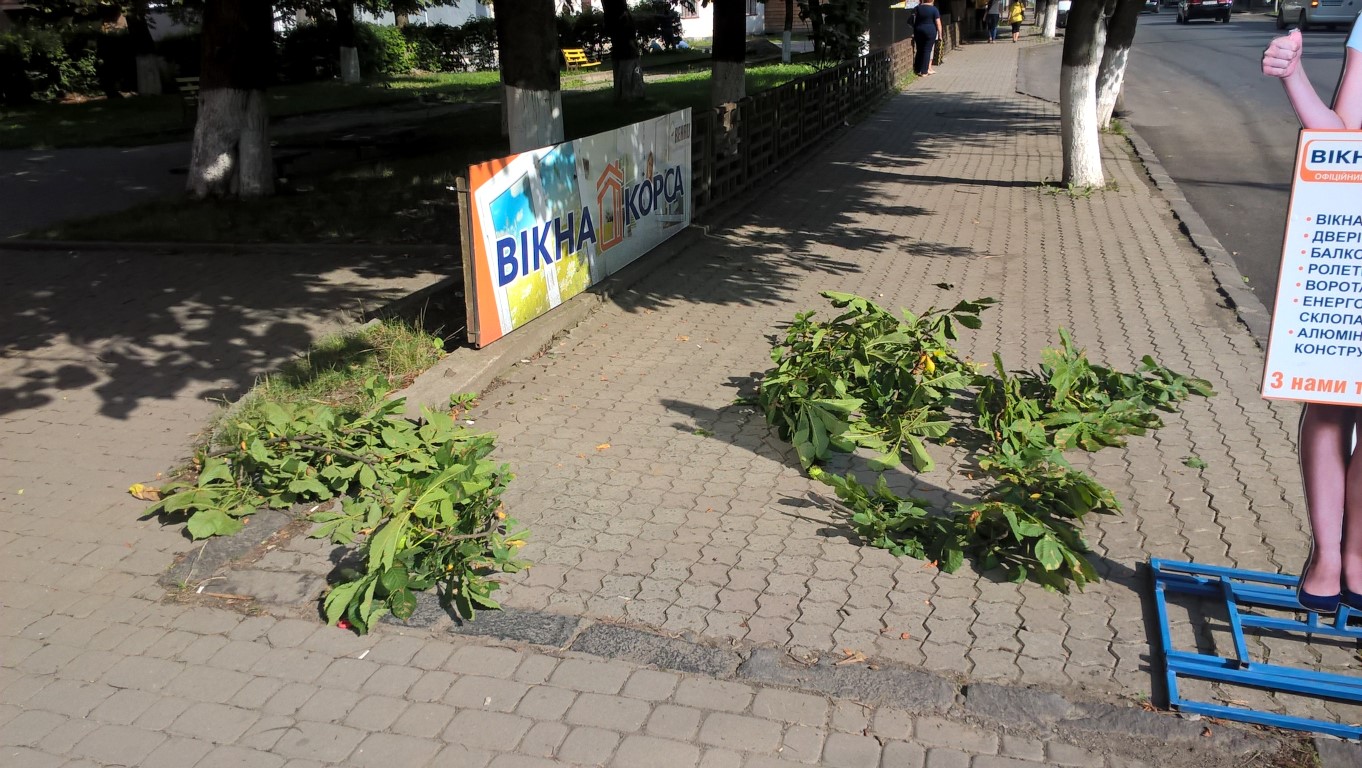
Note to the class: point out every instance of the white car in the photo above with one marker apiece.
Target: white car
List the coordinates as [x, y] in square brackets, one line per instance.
[1317, 13]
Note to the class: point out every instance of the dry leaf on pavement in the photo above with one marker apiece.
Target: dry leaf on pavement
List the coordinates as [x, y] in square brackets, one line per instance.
[145, 492]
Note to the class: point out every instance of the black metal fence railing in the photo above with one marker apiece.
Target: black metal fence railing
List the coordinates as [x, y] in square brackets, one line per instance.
[734, 145]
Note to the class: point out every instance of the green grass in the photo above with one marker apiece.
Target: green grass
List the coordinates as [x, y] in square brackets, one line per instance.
[149, 119]
[403, 201]
[333, 371]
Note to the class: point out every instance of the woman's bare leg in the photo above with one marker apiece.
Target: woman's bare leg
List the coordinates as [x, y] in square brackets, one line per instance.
[1325, 446]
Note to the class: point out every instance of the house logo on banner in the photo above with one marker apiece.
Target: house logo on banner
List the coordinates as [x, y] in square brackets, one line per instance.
[1315, 346]
[537, 240]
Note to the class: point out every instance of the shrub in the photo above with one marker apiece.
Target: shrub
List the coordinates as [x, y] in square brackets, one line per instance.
[46, 63]
[382, 50]
[478, 43]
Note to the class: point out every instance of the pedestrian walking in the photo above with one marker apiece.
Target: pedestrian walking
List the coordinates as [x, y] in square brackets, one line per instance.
[926, 33]
[994, 15]
[1331, 468]
[1016, 14]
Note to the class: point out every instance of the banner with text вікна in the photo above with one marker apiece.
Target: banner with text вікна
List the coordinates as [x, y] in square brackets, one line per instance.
[549, 223]
[1314, 350]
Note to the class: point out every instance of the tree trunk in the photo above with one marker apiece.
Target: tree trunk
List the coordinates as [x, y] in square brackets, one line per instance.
[231, 149]
[401, 20]
[527, 37]
[1111, 74]
[728, 79]
[619, 22]
[1051, 27]
[144, 51]
[345, 40]
[1083, 43]
[816, 27]
[786, 43]
[880, 18]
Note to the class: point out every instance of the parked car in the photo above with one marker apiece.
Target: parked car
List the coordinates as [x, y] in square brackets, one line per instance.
[1218, 10]
[1151, 6]
[1316, 13]
[1062, 19]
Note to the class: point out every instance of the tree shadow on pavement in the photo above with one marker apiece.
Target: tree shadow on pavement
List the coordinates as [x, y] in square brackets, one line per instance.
[743, 426]
[853, 198]
[143, 327]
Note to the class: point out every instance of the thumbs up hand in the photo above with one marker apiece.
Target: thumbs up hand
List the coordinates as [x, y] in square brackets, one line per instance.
[1283, 55]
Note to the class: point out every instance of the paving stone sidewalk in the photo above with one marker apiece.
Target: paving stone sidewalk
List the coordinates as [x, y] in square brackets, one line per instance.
[710, 538]
[696, 517]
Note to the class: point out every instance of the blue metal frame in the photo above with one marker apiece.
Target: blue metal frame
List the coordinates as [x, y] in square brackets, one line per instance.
[1241, 591]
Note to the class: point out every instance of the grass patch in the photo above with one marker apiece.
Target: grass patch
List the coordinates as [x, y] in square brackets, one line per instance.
[334, 370]
[401, 201]
[149, 119]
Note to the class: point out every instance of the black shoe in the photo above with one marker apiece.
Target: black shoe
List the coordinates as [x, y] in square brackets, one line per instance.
[1322, 603]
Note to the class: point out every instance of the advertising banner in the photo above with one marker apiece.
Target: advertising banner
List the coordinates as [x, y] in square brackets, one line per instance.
[1315, 346]
[549, 223]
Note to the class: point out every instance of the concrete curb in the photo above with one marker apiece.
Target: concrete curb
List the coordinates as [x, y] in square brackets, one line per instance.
[1226, 274]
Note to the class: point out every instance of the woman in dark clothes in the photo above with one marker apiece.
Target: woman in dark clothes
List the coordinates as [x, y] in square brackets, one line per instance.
[926, 31]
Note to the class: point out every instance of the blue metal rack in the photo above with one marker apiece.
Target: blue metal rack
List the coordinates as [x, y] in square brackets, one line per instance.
[1245, 594]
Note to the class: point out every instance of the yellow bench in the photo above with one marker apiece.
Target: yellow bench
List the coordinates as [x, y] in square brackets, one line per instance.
[576, 58]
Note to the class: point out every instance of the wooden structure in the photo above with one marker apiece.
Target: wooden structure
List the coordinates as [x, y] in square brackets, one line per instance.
[576, 59]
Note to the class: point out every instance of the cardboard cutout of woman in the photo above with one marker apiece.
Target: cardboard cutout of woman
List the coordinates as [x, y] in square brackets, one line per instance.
[1332, 480]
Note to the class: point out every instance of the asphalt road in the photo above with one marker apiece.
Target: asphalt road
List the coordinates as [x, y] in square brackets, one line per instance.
[1225, 132]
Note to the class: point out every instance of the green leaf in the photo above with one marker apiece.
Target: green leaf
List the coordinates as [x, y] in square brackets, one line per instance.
[276, 416]
[338, 599]
[367, 476]
[403, 604]
[1049, 554]
[922, 461]
[215, 468]
[212, 522]
[1195, 462]
[395, 578]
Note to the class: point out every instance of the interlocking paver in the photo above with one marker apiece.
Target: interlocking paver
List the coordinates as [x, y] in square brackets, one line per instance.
[98, 667]
[473, 692]
[608, 712]
[385, 749]
[714, 694]
[673, 722]
[588, 746]
[662, 753]
[487, 730]
[543, 739]
[740, 732]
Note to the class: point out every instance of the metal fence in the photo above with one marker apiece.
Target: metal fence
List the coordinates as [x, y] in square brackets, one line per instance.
[735, 145]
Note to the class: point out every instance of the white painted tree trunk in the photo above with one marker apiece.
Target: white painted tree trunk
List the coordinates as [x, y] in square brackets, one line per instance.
[231, 152]
[728, 83]
[1051, 20]
[534, 118]
[1078, 124]
[785, 47]
[1110, 77]
[149, 75]
[349, 64]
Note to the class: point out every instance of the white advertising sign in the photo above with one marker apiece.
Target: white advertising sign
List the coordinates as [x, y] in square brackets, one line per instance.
[1315, 346]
